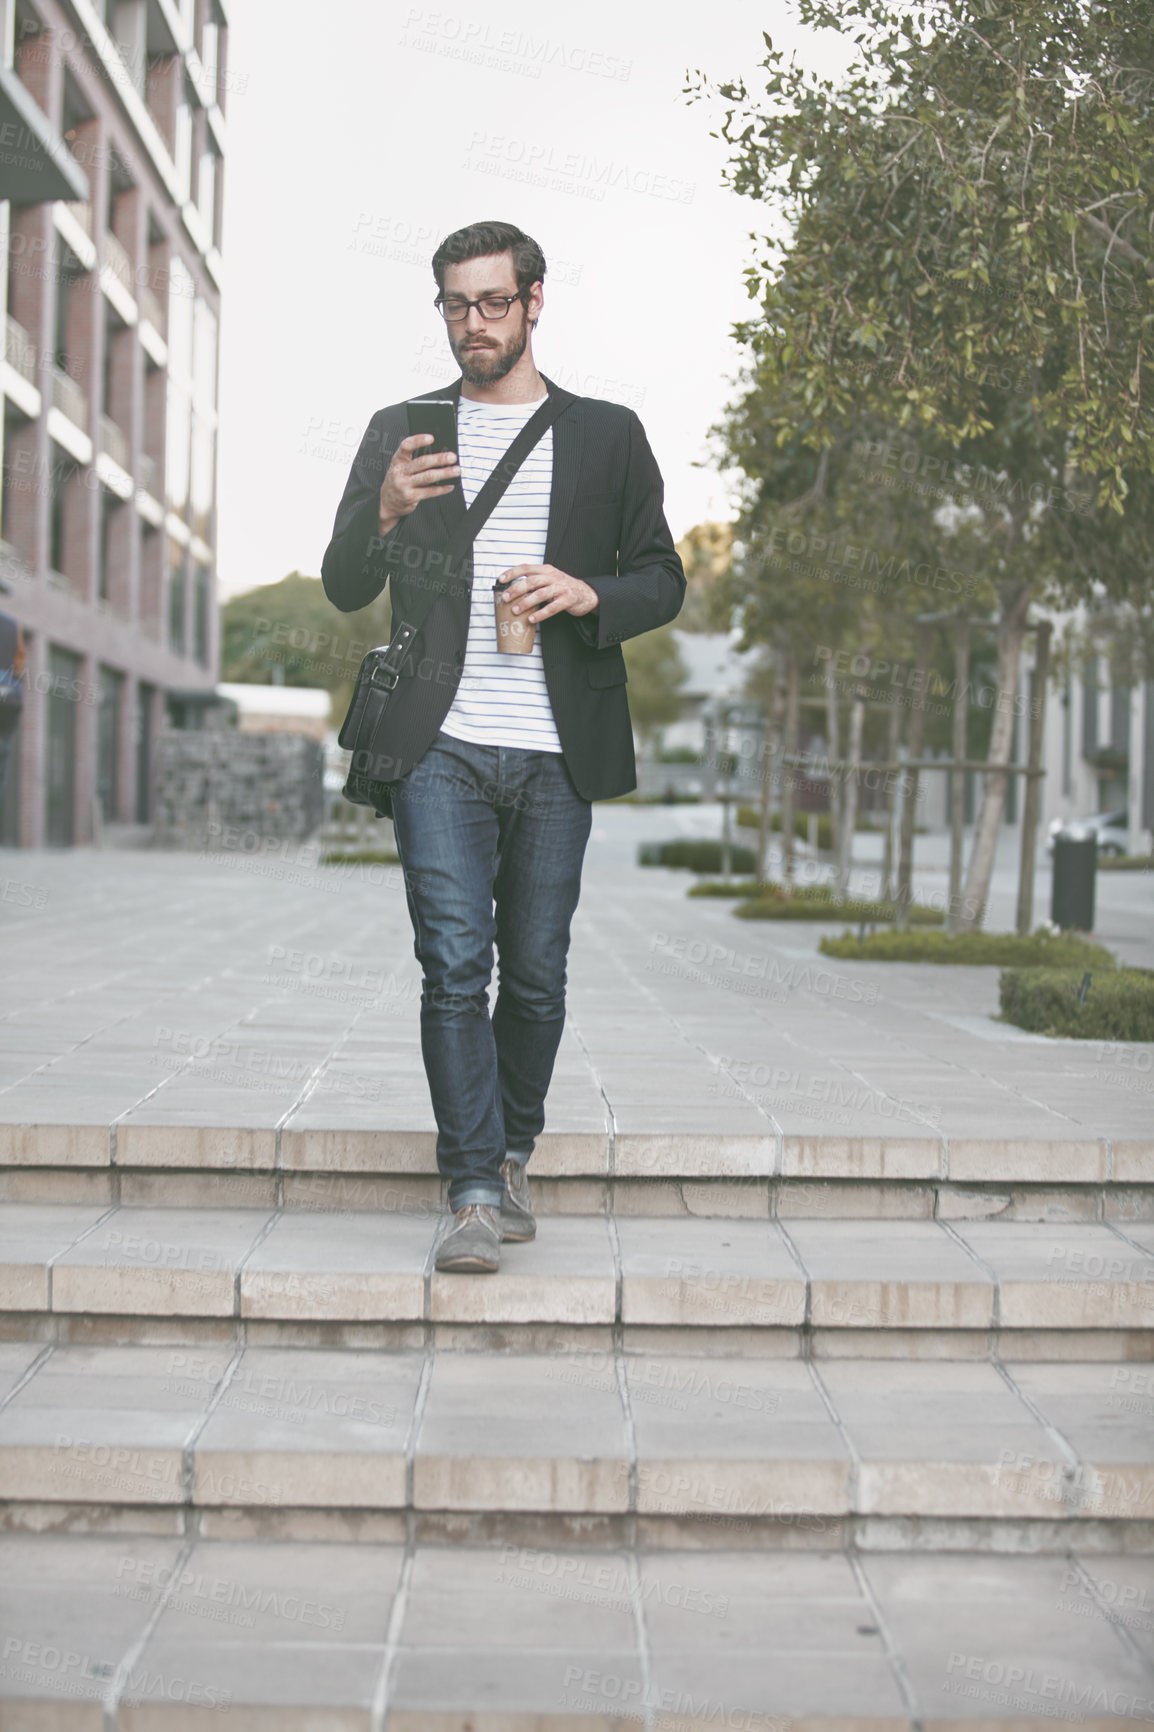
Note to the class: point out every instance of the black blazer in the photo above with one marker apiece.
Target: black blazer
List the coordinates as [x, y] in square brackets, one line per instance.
[606, 525]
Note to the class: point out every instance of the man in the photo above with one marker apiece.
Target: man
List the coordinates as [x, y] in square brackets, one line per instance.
[490, 760]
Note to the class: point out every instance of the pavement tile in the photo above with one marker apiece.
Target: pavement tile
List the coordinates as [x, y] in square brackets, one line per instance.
[32, 1236]
[565, 1275]
[890, 1274]
[15, 1358]
[1053, 1276]
[105, 1424]
[339, 1265]
[295, 1628]
[699, 1148]
[863, 1157]
[1000, 1157]
[310, 1428]
[38, 1141]
[1000, 1641]
[71, 1610]
[736, 1436]
[524, 1432]
[767, 1689]
[708, 1271]
[1134, 1160]
[158, 1139]
[514, 1630]
[158, 1262]
[1094, 1408]
[937, 1439]
[1119, 1593]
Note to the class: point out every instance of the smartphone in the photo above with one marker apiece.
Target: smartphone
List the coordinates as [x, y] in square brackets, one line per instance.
[435, 415]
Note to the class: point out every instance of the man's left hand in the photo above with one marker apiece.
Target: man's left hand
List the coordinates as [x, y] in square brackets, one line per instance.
[547, 591]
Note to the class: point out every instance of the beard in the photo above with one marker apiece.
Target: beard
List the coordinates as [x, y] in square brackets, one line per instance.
[486, 365]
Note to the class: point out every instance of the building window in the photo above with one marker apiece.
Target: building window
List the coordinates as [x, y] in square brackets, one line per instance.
[203, 461]
[206, 191]
[181, 293]
[200, 614]
[177, 446]
[64, 689]
[204, 359]
[62, 470]
[182, 141]
[176, 599]
[109, 506]
[145, 710]
[108, 744]
[210, 51]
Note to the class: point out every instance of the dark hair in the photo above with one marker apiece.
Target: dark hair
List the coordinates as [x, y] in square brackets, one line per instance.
[478, 240]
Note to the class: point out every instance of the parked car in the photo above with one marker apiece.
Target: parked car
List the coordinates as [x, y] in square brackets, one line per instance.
[1111, 828]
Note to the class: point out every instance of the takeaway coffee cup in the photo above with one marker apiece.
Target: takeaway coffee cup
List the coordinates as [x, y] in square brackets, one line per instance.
[515, 632]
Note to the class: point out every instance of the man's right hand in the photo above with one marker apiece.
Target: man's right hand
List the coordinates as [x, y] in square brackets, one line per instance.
[413, 476]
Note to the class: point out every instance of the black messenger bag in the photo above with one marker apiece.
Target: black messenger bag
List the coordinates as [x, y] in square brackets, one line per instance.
[380, 669]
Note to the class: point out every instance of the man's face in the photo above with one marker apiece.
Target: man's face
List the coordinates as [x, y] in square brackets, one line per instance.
[487, 349]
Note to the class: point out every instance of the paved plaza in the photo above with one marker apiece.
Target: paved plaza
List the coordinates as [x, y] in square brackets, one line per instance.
[820, 1402]
[260, 990]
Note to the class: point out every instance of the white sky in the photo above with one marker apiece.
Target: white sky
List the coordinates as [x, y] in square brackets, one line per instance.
[358, 138]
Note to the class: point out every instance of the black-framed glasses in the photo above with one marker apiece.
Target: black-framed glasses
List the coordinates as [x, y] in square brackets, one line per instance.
[456, 307]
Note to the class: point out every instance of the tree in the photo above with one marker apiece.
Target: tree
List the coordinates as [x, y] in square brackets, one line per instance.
[656, 672]
[292, 626]
[706, 553]
[968, 262]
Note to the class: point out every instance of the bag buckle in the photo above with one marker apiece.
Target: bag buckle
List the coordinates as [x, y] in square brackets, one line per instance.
[382, 676]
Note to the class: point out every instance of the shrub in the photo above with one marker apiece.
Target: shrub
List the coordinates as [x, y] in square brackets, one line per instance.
[749, 817]
[730, 887]
[368, 857]
[1042, 949]
[802, 907]
[769, 890]
[1126, 862]
[1118, 1005]
[702, 855]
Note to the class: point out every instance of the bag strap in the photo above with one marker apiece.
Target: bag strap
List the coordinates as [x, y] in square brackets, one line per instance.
[475, 518]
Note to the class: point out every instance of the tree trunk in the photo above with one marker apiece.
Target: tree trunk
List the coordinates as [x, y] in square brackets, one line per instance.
[833, 754]
[789, 779]
[770, 768]
[850, 786]
[911, 782]
[1011, 633]
[893, 741]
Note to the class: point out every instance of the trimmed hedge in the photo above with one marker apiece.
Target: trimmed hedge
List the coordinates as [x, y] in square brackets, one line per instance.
[697, 856]
[809, 908]
[737, 887]
[1119, 1004]
[1125, 862]
[769, 890]
[369, 857]
[749, 817]
[1041, 949]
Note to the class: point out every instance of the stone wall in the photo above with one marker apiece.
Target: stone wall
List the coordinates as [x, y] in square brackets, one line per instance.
[232, 790]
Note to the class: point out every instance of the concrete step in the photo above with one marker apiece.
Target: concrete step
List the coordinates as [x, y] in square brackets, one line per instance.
[159, 1633]
[797, 1280]
[576, 1433]
[186, 1161]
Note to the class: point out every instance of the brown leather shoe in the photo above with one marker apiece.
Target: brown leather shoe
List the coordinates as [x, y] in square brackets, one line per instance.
[473, 1241]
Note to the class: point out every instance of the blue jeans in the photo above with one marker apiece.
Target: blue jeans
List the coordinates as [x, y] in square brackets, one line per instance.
[491, 840]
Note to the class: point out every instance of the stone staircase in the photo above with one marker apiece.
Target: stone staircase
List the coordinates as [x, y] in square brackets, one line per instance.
[801, 1432]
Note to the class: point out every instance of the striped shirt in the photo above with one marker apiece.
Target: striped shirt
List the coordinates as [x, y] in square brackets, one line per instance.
[502, 699]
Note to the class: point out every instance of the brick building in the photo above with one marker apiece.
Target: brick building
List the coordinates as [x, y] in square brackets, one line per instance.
[109, 386]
